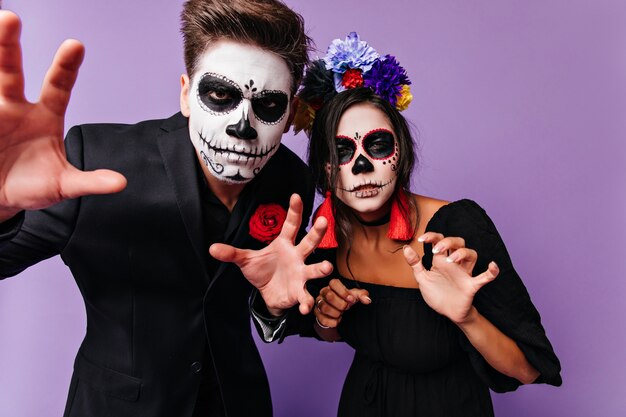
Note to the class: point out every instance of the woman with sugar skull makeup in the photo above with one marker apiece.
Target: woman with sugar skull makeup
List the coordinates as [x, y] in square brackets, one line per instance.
[426, 293]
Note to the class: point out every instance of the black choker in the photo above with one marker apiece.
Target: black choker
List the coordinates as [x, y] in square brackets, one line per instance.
[378, 222]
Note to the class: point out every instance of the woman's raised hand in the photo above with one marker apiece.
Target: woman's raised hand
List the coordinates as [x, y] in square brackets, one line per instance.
[449, 287]
[34, 172]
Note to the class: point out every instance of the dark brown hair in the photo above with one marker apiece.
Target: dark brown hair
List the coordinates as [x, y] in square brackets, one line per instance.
[323, 150]
[268, 24]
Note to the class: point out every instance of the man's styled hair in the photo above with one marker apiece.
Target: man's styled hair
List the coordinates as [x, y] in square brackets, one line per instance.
[268, 24]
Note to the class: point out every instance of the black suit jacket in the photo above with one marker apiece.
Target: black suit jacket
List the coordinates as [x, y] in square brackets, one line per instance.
[138, 258]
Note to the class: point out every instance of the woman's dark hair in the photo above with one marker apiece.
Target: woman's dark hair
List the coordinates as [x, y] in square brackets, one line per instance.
[323, 150]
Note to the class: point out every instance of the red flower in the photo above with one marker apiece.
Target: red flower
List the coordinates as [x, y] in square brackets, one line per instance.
[352, 78]
[267, 222]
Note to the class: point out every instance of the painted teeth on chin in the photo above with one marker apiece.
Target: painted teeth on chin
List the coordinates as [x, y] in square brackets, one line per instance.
[368, 193]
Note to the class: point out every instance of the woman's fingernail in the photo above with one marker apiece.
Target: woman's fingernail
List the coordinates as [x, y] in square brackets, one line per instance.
[421, 239]
[369, 300]
[437, 249]
[452, 258]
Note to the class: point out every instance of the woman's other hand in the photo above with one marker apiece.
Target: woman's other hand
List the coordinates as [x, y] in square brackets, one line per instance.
[334, 300]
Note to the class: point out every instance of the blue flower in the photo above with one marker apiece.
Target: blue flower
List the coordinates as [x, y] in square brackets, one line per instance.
[351, 53]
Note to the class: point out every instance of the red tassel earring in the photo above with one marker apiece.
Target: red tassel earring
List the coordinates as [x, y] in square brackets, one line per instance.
[329, 240]
[400, 227]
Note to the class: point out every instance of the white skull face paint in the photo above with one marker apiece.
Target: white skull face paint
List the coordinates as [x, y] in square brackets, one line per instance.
[238, 105]
[368, 153]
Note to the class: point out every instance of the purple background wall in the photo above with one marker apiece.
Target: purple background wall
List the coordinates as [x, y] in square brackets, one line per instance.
[519, 105]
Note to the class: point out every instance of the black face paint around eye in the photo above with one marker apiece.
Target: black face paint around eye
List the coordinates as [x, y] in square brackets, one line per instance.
[379, 144]
[217, 94]
[346, 147]
[270, 106]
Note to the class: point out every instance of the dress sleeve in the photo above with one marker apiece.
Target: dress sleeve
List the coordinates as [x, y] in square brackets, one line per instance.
[505, 302]
[40, 234]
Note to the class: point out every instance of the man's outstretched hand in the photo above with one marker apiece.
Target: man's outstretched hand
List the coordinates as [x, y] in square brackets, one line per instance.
[278, 271]
[34, 172]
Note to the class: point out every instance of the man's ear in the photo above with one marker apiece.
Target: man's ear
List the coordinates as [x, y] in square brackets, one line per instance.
[293, 108]
[185, 85]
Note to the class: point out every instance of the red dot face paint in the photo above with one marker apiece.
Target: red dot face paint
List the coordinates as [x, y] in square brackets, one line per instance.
[379, 144]
[366, 152]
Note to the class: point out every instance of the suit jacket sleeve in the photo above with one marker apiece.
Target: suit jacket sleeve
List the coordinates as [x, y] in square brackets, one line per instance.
[42, 233]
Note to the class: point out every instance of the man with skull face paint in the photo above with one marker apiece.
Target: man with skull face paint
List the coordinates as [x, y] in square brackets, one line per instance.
[168, 329]
[237, 114]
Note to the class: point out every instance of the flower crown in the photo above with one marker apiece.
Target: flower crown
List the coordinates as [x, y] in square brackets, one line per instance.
[349, 64]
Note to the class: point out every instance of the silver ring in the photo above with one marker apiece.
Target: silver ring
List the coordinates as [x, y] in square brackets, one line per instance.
[318, 303]
[320, 324]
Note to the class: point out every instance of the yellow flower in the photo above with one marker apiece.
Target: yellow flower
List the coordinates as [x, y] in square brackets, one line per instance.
[404, 98]
[303, 120]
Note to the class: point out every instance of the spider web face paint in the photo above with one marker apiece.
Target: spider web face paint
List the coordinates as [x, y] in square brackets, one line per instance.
[238, 101]
[367, 152]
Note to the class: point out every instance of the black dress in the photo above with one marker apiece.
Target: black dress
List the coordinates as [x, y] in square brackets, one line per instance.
[411, 361]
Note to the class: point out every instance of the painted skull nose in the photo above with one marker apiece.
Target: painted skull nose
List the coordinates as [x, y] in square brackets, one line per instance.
[242, 129]
[362, 164]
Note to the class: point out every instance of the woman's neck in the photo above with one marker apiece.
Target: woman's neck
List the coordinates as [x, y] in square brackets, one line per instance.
[373, 229]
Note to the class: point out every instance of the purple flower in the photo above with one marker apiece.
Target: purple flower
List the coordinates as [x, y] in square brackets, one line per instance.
[351, 53]
[386, 78]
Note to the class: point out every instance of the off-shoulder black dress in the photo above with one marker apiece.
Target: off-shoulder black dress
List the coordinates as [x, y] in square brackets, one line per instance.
[411, 361]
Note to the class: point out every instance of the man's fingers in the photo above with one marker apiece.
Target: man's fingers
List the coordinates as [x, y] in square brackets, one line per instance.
[11, 72]
[293, 219]
[318, 270]
[486, 277]
[413, 259]
[61, 76]
[228, 253]
[313, 237]
[75, 183]
[306, 302]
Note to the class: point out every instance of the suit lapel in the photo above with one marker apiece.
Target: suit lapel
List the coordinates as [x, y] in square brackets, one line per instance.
[237, 231]
[179, 158]
[267, 188]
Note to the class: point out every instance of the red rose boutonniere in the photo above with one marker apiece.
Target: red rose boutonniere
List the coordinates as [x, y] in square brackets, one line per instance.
[267, 222]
